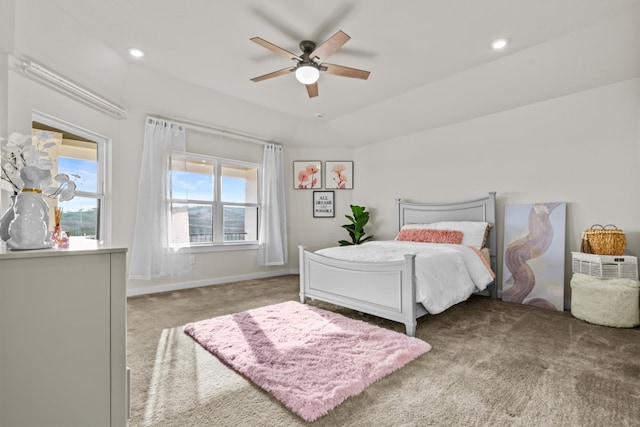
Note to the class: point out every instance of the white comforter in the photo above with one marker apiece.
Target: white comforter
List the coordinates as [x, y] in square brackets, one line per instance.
[445, 274]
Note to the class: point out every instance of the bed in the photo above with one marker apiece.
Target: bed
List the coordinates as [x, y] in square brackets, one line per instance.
[388, 288]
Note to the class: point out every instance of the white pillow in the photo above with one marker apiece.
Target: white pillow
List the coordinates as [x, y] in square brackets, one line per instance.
[474, 233]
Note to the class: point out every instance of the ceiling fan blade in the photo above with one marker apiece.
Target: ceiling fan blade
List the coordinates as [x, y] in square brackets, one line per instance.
[312, 90]
[273, 74]
[331, 21]
[339, 70]
[275, 21]
[329, 47]
[276, 49]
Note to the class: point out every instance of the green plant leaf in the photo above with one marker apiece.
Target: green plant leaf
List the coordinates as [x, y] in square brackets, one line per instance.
[356, 231]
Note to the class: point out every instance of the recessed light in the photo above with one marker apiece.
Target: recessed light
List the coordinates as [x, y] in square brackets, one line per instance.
[499, 44]
[319, 115]
[136, 53]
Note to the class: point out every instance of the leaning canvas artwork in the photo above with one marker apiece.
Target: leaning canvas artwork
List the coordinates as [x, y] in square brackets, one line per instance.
[533, 262]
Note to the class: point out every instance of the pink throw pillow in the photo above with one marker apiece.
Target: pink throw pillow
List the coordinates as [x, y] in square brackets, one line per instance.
[431, 236]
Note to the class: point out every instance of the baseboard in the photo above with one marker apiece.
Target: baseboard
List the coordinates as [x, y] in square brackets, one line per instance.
[168, 287]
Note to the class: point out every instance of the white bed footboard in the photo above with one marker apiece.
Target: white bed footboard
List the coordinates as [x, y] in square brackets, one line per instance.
[387, 289]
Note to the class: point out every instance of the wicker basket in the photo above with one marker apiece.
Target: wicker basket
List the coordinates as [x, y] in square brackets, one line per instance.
[607, 240]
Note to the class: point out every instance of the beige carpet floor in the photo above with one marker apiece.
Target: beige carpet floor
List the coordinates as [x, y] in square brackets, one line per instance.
[493, 363]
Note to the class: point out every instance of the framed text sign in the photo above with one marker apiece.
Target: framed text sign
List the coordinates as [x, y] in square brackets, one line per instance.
[323, 204]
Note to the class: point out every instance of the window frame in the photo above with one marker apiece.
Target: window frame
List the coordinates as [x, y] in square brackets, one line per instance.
[217, 205]
[103, 150]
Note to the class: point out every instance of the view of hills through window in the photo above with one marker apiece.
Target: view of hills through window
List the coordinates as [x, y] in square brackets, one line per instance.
[193, 197]
[201, 228]
[81, 155]
[80, 214]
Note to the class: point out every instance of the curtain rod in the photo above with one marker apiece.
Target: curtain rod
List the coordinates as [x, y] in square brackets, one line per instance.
[211, 129]
[49, 77]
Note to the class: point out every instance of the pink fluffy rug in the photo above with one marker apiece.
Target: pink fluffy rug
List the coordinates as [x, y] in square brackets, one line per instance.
[308, 358]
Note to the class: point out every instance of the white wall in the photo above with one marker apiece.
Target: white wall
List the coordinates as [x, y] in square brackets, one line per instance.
[26, 95]
[111, 75]
[6, 46]
[304, 229]
[582, 149]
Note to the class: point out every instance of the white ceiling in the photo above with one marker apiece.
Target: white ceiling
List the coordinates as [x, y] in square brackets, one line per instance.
[430, 61]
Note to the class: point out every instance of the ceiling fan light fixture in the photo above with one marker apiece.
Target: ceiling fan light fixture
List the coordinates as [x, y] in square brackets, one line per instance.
[307, 74]
[499, 44]
[135, 52]
[310, 63]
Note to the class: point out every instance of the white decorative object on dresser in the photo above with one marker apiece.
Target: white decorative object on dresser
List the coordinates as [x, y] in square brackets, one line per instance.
[63, 337]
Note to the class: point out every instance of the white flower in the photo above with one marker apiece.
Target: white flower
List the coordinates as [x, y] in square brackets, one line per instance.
[65, 188]
[18, 151]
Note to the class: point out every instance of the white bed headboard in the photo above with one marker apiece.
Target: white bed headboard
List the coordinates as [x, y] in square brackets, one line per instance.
[471, 210]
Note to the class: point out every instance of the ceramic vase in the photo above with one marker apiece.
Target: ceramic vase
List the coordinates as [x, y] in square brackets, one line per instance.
[6, 219]
[29, 228]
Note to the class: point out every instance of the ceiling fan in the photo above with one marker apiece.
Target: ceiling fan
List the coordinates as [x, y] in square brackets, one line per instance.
[309, 65]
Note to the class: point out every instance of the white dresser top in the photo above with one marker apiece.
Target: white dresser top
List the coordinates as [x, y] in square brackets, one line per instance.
[77, 246]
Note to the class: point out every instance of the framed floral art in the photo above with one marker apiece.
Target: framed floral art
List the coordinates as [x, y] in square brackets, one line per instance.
[339, 175]
[307, 174]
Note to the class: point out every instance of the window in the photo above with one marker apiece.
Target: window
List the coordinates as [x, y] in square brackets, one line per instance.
[216, 200]
[77, 152]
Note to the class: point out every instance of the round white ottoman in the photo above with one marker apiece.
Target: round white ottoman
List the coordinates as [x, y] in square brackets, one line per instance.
[607, 302]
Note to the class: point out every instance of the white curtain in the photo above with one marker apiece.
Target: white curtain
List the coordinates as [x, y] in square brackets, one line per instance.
[155, 252]
[273, 218]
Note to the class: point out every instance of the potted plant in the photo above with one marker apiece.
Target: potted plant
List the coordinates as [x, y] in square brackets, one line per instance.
[359, 219]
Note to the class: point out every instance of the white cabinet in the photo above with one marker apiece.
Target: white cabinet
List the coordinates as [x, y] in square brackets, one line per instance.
[63, 337]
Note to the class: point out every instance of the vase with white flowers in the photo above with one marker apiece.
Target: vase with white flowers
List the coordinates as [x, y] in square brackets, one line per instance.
[26, 173]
